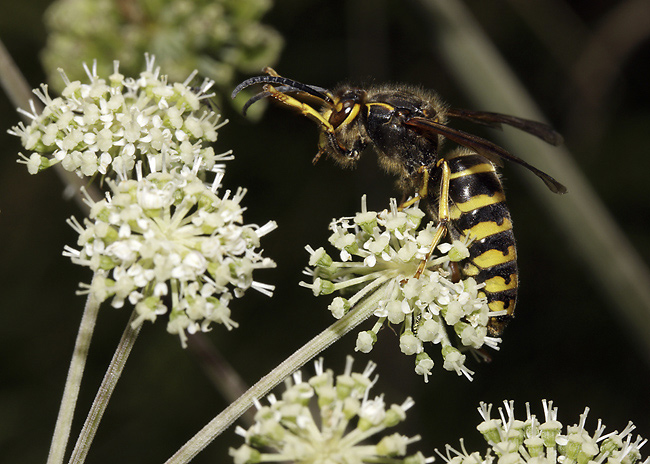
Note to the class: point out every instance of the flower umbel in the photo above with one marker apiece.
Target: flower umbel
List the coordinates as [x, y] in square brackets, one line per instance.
[544, 442]
[347, 417]
[106, 126]
[170, 245]
[380, 252]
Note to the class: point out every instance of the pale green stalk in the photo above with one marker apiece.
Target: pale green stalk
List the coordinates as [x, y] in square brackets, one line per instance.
[312, 348]
[12, 81]
[479, 68]
[105, 391]
[73, 382]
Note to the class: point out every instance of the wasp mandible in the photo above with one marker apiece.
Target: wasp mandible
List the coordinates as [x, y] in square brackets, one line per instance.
[461, 190]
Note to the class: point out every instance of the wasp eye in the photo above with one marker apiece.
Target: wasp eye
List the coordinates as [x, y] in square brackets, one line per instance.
[343, 110]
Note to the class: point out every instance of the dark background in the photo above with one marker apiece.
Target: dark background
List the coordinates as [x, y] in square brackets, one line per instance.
[568, 342]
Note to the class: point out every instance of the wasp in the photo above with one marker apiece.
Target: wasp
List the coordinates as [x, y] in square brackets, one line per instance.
[461, 190]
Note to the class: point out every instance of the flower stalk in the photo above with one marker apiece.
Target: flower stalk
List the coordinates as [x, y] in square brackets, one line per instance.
[310, 350]
[105, 391]
[73, 381]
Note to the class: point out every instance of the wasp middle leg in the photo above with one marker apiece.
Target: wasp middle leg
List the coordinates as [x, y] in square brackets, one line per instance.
[443, 214]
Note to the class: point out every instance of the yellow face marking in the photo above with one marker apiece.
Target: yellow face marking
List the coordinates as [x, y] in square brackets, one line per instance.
[498, 284]
[492, 258]
[352, 115]
[477, 202]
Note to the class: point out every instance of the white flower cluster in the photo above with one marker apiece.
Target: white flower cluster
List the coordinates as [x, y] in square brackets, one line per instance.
[167, 240]
[379, 257]
[164, 241]
[106, 126]
[533, 442]
[287, 431]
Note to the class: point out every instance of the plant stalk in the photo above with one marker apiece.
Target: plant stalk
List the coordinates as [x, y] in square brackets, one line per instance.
[298, 359]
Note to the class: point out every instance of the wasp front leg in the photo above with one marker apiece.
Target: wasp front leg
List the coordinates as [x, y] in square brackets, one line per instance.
[422, 191]
[304, 108]
[328, 130]
[443, 214]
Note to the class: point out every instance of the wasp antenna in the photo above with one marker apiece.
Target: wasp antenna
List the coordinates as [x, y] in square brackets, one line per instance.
[288, 85]
[261, 95]
[252, 100]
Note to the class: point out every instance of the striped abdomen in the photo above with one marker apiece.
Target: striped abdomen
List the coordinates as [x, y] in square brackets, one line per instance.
[477, 208]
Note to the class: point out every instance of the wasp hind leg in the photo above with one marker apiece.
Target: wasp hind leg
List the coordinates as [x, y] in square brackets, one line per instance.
[443, 213]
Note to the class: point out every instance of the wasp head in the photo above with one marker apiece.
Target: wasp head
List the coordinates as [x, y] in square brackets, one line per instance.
[344, 137]
[340, 115]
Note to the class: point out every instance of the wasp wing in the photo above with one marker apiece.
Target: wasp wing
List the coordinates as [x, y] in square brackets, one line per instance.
[538, 129]
[484, 147]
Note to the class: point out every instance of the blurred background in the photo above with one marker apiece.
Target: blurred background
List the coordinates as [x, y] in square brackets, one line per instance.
[579, 337]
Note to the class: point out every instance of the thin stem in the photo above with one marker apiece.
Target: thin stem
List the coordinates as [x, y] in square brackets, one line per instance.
[12, 81]
[105, 391]
[330, 335]
[73, 382]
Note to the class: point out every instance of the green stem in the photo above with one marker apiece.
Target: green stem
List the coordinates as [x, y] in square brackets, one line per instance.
[12, 81]
[312, 348]
[105, 391]
[73, 382]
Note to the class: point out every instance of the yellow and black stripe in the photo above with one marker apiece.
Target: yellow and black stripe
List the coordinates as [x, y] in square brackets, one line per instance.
[477, 208]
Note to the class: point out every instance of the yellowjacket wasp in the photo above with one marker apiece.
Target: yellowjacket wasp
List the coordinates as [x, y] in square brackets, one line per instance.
[406, 126]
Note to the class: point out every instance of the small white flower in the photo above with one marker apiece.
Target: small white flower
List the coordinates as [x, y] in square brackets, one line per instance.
[380, 255]
[457, 250]
[339, 307]
[365, 341]
[423, 365]
[340, 433]
[106, 127]
[409, 344]
[144, 243]
[373, 411]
